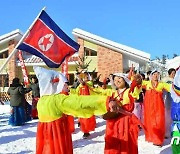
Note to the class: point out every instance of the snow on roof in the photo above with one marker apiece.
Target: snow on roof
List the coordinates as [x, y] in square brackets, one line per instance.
[16, 34]
[173, 63]
[110, 44]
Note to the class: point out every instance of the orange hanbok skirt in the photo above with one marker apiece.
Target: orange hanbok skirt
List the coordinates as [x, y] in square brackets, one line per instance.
[87, 124]
[34, 112]
[71, 123]
[154, 117]
[122, 134]
[54, 137]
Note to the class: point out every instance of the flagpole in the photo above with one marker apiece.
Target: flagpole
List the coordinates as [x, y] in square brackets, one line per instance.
[20, 41]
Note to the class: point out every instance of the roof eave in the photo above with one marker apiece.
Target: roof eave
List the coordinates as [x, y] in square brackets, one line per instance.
[16, 34]
[110, 44]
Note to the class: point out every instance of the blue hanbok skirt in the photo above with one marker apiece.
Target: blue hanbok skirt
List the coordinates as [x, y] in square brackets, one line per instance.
[17, 117]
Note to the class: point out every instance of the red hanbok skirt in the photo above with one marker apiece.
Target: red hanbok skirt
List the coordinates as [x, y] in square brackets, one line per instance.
[71, 123]
[87, 124]
[122, 135]
[34, 113]
[154, 117]
[54, 137]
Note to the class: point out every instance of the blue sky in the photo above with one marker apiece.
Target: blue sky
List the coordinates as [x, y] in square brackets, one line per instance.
[152, 26]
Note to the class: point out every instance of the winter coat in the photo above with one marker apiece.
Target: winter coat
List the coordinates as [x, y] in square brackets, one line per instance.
[17, 94]
[35, 90]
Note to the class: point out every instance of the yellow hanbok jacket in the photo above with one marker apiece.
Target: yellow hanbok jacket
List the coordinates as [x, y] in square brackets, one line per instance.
[114, 93]
[52, 107]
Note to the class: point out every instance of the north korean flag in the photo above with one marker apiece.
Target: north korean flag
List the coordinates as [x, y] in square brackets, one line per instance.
[47, 41]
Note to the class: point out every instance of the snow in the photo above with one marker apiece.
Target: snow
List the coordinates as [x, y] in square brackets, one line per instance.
[22, 139]
[173, 63]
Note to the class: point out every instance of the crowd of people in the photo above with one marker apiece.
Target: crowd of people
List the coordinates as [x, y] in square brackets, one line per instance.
[21, 110]
[128, 103]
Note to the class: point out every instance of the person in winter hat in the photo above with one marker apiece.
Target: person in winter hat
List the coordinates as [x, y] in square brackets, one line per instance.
[17, 102]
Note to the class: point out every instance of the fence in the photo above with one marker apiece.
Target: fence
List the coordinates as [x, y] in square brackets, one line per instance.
[5, 97]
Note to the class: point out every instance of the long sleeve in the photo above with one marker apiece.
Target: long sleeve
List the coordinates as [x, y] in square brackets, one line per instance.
[77, 90]
[161, 86]
[52, 107]
[167, 86]
[101, 91]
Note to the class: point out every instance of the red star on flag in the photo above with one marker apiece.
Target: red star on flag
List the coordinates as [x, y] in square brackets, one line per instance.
[46, 41]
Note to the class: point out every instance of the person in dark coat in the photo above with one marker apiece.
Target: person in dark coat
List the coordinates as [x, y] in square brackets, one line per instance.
[17, 103]
[35, 96]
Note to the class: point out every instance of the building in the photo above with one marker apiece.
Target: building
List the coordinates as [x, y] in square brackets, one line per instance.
[106, 56]
[7, 44]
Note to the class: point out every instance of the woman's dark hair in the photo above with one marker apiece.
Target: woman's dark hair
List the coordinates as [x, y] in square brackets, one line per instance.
[126, 84]
[171, 70]
[107, 80]
[143, 76]
[149, 72]
[35, 78]
[15, 81]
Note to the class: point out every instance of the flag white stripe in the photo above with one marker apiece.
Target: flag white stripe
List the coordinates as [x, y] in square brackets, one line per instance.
[21, 40]
[57, 35]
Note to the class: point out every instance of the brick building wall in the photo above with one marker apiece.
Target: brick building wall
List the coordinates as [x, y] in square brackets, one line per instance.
[109, 61]
[81, 49]
[12, 69]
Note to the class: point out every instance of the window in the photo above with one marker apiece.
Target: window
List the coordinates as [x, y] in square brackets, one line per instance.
[89, 52]
[4, 80]
[71, 79]
[4, 55]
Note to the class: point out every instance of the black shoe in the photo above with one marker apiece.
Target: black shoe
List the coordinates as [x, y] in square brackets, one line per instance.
[86, 135]
[157, 145]
[139, 127]
[166, 137]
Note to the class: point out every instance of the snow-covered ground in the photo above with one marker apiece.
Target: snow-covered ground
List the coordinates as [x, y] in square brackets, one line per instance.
[21, 139]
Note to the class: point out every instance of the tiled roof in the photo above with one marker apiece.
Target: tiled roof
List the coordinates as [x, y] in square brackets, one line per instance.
[32, 59]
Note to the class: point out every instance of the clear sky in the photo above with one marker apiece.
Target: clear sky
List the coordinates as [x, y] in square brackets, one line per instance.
[152, 26]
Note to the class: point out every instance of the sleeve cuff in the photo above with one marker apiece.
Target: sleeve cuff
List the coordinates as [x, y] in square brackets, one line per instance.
[107, 103]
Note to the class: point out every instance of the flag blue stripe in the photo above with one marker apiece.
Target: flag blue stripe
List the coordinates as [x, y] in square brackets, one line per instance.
[52, 25]
[176, 87]
[49, 63]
